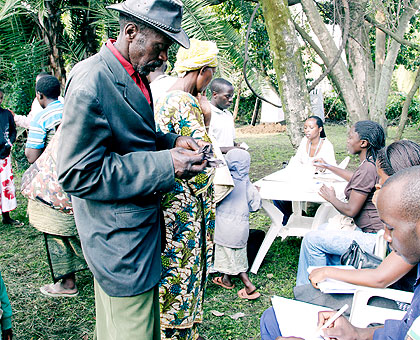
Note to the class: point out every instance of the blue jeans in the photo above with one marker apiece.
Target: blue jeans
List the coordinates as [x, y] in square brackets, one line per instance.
[269, 327]
[324, 248]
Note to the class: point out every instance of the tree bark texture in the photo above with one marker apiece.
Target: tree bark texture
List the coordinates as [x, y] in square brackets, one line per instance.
[288, 66]
[356, 109]
[51, 28]
[407, 102]
[358, 50]
[384, 84]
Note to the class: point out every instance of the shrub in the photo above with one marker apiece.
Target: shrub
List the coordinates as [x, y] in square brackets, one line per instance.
[394, 107]
[335, 110]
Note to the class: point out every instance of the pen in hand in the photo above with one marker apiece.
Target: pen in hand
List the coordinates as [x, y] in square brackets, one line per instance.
[332, 319]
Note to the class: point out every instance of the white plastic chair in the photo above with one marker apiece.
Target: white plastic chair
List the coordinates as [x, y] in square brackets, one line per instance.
[380, 245]
[363, 314]
[344, 163]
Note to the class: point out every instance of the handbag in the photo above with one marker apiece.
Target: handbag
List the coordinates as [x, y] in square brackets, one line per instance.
[40, 180]
[358, 258]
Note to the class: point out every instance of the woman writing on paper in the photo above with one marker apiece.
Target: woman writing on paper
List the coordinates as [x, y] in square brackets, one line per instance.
[314, 145]
[321, 247]
[397, 156]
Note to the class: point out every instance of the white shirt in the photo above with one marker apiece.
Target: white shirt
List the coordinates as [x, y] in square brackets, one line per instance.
[25, 121]
[222, 126]
[160, 86]
[326, 152]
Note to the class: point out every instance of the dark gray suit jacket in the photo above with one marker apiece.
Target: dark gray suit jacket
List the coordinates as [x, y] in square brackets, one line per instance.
[108, 161]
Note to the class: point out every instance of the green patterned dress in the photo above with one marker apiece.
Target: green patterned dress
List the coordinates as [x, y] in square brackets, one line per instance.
[189, 212]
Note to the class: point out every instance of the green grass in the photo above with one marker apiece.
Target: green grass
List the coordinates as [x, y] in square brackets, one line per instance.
[24, 266]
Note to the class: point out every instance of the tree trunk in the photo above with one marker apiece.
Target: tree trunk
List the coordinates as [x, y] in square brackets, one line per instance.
[288, 65]
[238, 99]
[358, 50]
[384, 85]
[355, 107]
[404, 113]
[51, 31]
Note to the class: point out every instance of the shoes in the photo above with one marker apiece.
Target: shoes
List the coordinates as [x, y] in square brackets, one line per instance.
[11, 221]
[55, 290]
[218, 280]
[244, 295]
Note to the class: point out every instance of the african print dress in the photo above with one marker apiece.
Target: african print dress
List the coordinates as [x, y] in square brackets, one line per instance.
[189, 212]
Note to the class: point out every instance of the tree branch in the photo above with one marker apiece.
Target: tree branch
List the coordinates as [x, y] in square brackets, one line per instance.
[392, 34]
[340, 50]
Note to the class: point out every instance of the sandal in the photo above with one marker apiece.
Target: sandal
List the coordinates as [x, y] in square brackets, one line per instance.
[219, 281]
[52, 291]
[244, 295]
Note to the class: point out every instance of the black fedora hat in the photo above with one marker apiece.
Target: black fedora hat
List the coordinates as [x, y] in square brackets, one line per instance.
[162, 15]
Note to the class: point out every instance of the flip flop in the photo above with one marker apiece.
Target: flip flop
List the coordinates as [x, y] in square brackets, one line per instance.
[51, 290]
[218, 280]
[244, 295]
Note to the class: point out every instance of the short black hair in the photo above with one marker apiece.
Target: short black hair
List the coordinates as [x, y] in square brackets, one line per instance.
[49, 86]
[407, 180]
[398, 156]
[219, 84]
[126, 18]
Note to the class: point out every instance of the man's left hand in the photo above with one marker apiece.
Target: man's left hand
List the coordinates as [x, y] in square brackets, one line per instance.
[189, 143]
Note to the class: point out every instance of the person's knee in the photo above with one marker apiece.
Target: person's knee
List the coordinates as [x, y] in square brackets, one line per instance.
[268, 325]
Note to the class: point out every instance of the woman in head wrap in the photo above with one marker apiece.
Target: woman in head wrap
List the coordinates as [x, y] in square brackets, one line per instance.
[189, 210]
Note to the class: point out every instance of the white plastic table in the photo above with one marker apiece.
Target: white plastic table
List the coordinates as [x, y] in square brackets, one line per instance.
[297, 185]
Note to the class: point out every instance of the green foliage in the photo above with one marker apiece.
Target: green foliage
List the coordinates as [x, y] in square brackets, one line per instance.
[246, 108]
[394, 108]
[335, 110]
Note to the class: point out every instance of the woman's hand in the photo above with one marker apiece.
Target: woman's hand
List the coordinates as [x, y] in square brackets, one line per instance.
[205, 108]
[320, 164]
[327, 193]
[318, 275]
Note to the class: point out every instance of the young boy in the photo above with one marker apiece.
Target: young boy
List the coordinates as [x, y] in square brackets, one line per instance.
[232, 226]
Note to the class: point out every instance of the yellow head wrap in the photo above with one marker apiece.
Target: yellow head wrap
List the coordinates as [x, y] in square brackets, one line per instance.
[200, 54]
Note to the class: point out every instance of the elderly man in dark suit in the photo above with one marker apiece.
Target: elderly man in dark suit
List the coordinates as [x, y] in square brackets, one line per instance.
[115, 165]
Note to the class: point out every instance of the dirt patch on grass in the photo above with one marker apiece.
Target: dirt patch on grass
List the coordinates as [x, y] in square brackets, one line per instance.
[265, 128]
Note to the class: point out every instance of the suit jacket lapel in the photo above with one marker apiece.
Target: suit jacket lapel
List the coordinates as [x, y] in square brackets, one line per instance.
[131, 92]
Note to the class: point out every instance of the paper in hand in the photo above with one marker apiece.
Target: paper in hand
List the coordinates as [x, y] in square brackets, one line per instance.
[212, 161]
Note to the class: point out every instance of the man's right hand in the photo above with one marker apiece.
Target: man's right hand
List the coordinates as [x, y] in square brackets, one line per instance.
[187, 163]
[342, 329]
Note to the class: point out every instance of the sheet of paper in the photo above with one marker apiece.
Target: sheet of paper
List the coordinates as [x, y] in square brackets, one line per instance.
[296, 318]
[335, 286]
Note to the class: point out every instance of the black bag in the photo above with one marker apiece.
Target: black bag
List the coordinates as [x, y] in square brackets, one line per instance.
[358, 258]
[255, 239]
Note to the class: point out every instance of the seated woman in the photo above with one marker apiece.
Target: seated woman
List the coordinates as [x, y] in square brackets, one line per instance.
[397, 156]
[320, 247]
[313, 145]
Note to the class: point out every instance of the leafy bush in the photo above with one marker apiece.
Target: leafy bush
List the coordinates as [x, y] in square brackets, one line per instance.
[394, 108]
[335, 110]
[246, 108]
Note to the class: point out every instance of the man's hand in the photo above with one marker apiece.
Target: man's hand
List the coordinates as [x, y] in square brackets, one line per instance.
[318, 275]
[189, 143]
[340, 329]
[187, 163]
[327, 193]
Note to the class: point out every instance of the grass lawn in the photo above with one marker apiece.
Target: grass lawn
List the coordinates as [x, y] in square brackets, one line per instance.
[24, 265]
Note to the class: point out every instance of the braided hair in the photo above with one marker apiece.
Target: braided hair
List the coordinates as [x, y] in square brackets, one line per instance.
[398, 155]
[374, 134]
[320, 124]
